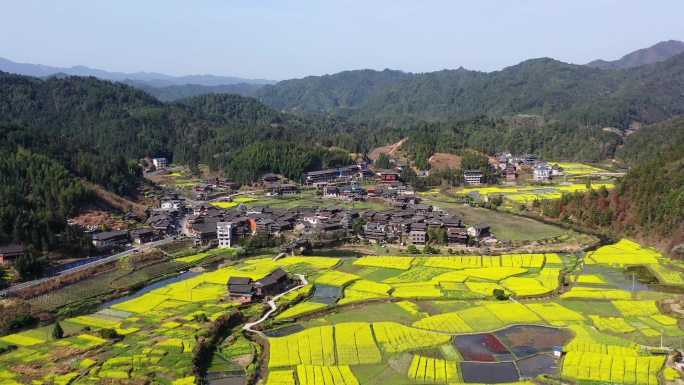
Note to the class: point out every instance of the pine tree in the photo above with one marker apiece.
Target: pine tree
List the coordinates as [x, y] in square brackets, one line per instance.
[57, 332]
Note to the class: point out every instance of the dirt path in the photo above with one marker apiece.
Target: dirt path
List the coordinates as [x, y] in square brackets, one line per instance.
[114, 200]
[390, 150]
[271, 303]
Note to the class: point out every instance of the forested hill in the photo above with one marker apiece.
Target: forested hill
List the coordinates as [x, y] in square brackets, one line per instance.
[238, 135]
[176, 92]
[41, 186]
[649, 202]
[328, 93]
[539, 86]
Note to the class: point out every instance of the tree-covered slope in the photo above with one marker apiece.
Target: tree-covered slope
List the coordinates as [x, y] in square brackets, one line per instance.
[41, 185]
[539, 86]
[649, 201]
[176, 92]
[324, 94]
[215, 129]
[105, 115]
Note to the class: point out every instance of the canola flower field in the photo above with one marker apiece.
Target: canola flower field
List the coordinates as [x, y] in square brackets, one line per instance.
[526, 194]
[399, 319]
[577, 169]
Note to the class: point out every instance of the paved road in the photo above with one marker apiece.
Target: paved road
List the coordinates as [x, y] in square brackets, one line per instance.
[98, 262]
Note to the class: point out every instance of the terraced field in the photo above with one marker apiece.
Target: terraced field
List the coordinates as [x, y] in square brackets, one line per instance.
[401, 320]
[526, 194]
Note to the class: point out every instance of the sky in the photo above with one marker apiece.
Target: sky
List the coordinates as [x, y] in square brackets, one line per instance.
[283, 39]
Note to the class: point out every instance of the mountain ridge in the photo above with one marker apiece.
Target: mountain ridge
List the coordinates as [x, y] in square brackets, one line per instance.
[153, 79]
[536, 86]
[646, 56]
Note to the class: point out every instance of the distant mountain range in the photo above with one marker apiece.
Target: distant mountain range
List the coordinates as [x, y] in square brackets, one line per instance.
[429, 95]
[152, 79]
[651, 55]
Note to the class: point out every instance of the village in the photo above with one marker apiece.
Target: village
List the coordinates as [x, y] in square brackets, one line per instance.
[356, 203]
[353, 203]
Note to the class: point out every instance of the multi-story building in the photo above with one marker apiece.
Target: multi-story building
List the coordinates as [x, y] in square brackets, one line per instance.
[159, 163]
[511, 173]
[388, 176]
[417, 237]
[473, 176]
[542, 172]
[457, 236]
[224, 234]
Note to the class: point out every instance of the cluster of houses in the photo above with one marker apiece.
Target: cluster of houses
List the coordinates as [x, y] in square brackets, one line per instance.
[512, 165]
[246, 290]
[211, 184]
[107, 240]
[210, 225]
[409, 221]
[348, 174]
[411, 225]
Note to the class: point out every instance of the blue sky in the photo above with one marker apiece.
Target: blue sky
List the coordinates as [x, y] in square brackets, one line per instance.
[281, 39]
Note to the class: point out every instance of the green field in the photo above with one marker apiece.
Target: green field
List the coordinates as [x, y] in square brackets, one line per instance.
[395, 322]
[527, 194]
[505, 226]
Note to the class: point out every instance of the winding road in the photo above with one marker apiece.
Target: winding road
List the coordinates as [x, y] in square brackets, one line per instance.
[271, 303]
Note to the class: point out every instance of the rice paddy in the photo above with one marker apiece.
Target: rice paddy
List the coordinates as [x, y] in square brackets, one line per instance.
[395, 319]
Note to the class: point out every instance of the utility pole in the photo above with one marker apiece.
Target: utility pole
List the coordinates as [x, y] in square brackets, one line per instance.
[633, 282]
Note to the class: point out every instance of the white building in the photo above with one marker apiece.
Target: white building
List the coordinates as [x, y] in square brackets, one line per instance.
[159, 163]
[472, 176]
[224, 234]
[542, 172]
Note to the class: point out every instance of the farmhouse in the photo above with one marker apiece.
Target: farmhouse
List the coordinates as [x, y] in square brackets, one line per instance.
[473, 176]
[319, 178]
[245, 290]
[451, 221]
[479, 231]
[202, 188]
[225, 183]
[204, 233]
[281, 189]
[457, 236]
[141, 236]
[529, 159]
[351, 189]
[331, 192]
[161, 221]
[274, 283]
[11, 252]
[365, 173]
[270, 178]
[172, 202]
[109, 239]
[398, 164]
[388, 176]
[511, 173]
[241, 289]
